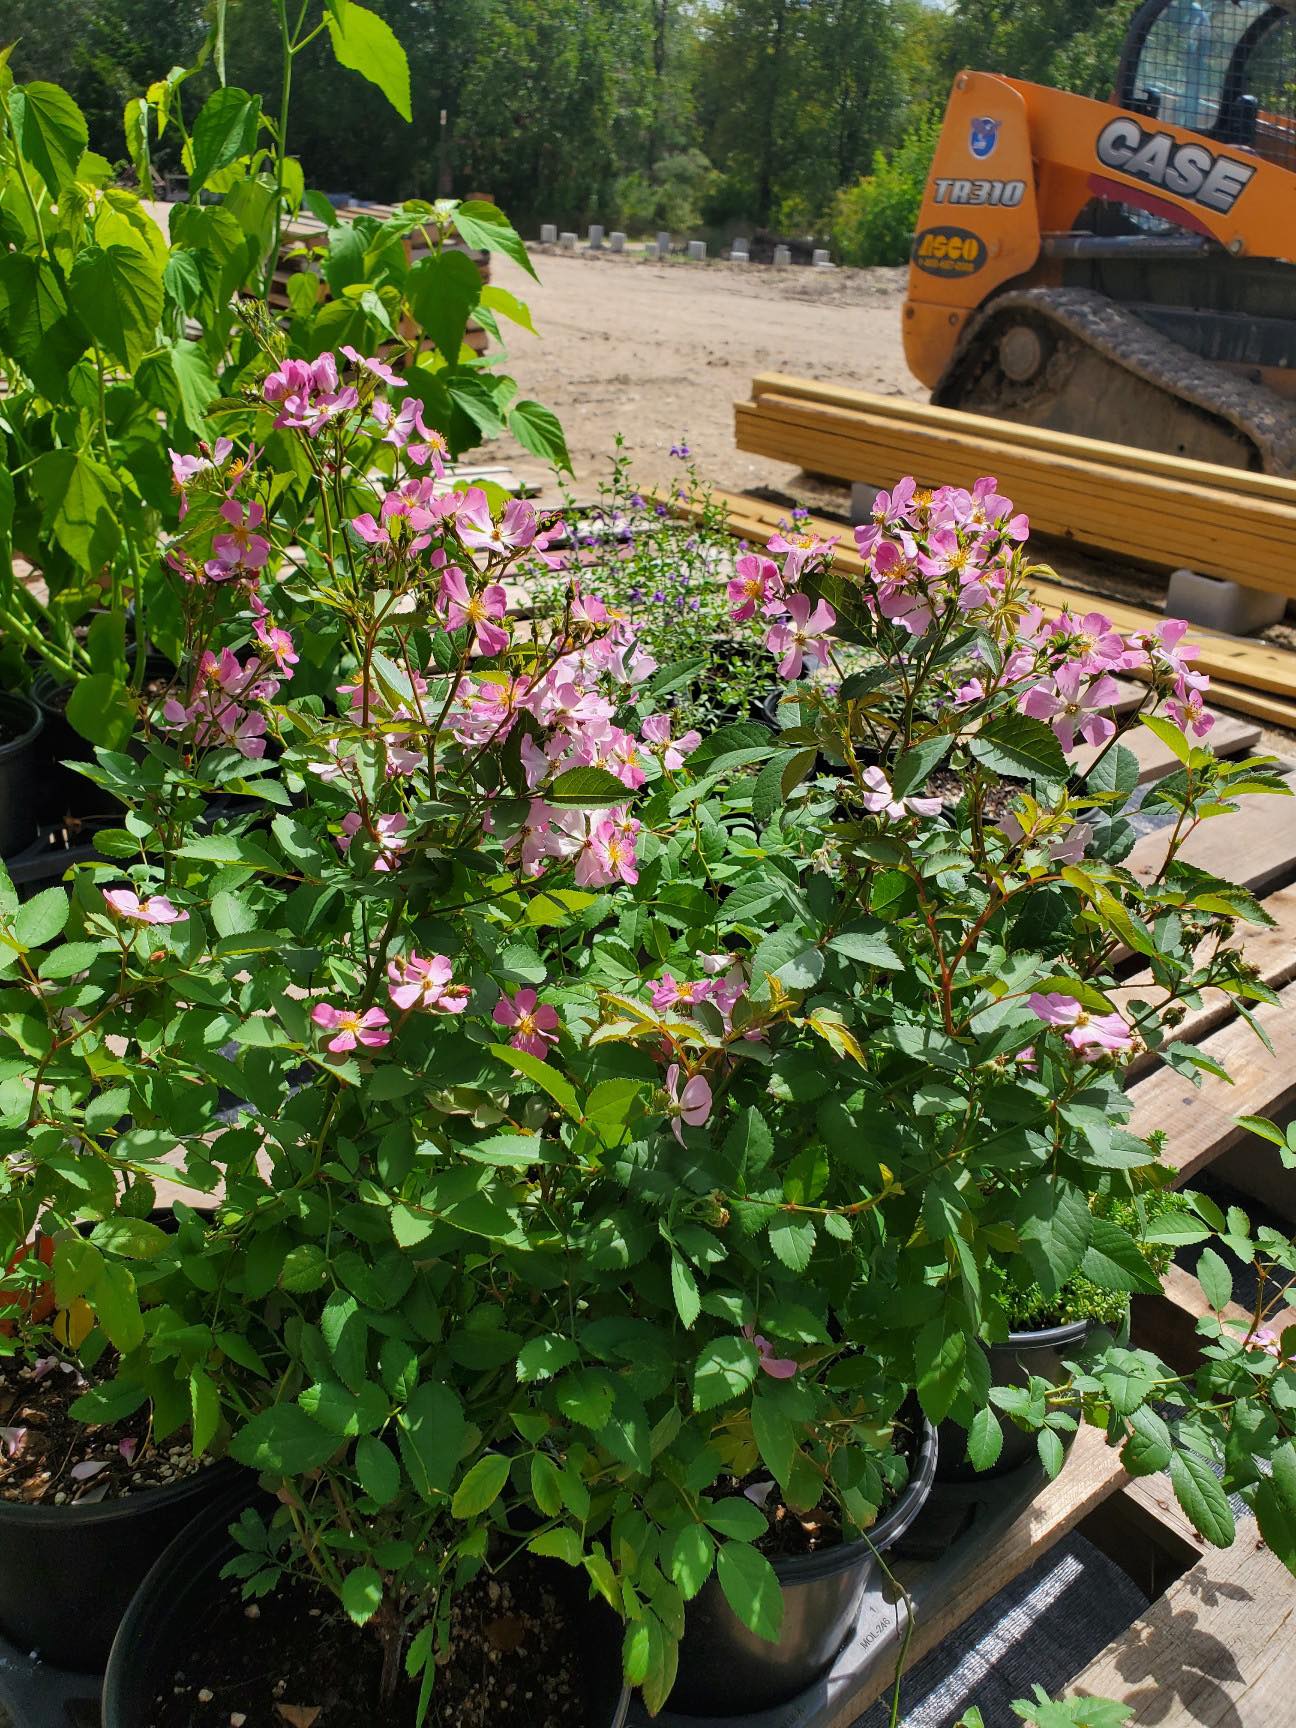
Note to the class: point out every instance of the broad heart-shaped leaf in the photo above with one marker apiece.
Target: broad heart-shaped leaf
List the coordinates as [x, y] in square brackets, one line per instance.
[226, 128]
[365, 43]
[117, 293]
[724, 1370]
[1215, 1279]
[539, 430]
[443, 289]
[79, 494]
[430, 1430]
[1020, 748]
[362, 1593]
[100, 709]
[482, 225]
[1198, 1491]
[39, 330]
[751, 1588]
[51, 132]
[481, 1487]
[283, 1441]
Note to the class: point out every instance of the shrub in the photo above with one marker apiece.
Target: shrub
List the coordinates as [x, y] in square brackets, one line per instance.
[873, 221]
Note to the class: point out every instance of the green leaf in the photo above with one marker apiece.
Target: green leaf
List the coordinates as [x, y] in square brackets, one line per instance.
[100, 708]
[1112, 1261]
[1215, 1279]
[131, 1238]
[869, 944]
[377, 1469]
[481, 1487]
[558, 1544]
[539, 1358]
[116, 1304]
[684, 1288]
[205, 1410]
[539, 430]
[587, 789]
[1052, 1454]
[548, 1079]
[939, 1356]
[690, 1558]
[1056, 1226]
[586, 1397]
[489, 230]
[1198, 1491]
[117, 293]
[1169, 734]
[79, 494]
[443, 289]
[724, 1370]
[365, 43]
[497, 299]
[985, 1440]
[751, 1588]
[1149, 1446]
[431, 1430]
[196, 386]
[51, 130]
[1021, 748]
[40, 919]
[226, 128]
[283, 1441]
[774, 1435]
[793, 1240]
[362, 1594]
[736, 1516]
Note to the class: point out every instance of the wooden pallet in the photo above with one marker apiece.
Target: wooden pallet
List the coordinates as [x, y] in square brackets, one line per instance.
[1096, 495]
[1252, 678]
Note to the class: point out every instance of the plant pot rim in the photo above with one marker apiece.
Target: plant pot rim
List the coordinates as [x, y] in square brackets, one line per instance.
[17, 1513]
[18, 699]
[1047, 1337]
[826, 1562]
[179, 1564]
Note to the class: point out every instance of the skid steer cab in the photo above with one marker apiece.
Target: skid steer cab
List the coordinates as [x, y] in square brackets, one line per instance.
[1124, 269]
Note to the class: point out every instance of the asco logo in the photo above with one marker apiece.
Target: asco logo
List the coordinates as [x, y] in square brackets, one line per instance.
[949, 252]
[984, 138]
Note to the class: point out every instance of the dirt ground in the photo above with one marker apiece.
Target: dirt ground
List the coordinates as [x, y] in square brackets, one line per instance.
[662, 351]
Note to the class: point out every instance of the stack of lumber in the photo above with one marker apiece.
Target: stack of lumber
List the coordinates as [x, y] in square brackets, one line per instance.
[1158, 509]
[1248, 677]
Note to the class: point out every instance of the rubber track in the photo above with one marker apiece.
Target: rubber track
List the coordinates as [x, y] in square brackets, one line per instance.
[1102, 324]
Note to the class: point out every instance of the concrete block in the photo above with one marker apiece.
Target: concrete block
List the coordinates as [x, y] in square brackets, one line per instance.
[596, 236]
[663, 244]
[617, 240]
[821, 256]
[782, 256]
[739, 258]
[568, 240]
[697, 250]
[740, 247]
[650, 250]
[1219, 605]
[861, 504]
[548, 233]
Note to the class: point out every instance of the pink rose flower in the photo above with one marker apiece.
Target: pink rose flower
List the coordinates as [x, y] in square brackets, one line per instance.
[413, 982]
[777, 1367]
[461, 607]
[534, 1024]
[799, 636]
[1090, 1034]
[691, 1104]
[125, 903]
[351, 1026]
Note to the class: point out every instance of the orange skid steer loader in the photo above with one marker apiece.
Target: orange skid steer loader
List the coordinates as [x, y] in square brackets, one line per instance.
[1124, 270]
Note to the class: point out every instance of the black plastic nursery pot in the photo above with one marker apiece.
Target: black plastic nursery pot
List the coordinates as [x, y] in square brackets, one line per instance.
[726, 1670]
[21, 723]
[68, 1573]
[1023, 1355]
[176, 1599]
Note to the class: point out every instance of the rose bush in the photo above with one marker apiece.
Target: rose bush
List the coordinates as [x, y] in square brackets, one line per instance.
[580, 1120]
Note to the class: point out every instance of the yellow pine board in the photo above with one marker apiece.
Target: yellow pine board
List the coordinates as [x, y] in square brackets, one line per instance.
[1040, 438]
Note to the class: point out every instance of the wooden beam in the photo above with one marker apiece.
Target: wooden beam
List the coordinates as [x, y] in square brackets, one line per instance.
[1110, 508]
[1207, 474]
[1216, 1651]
